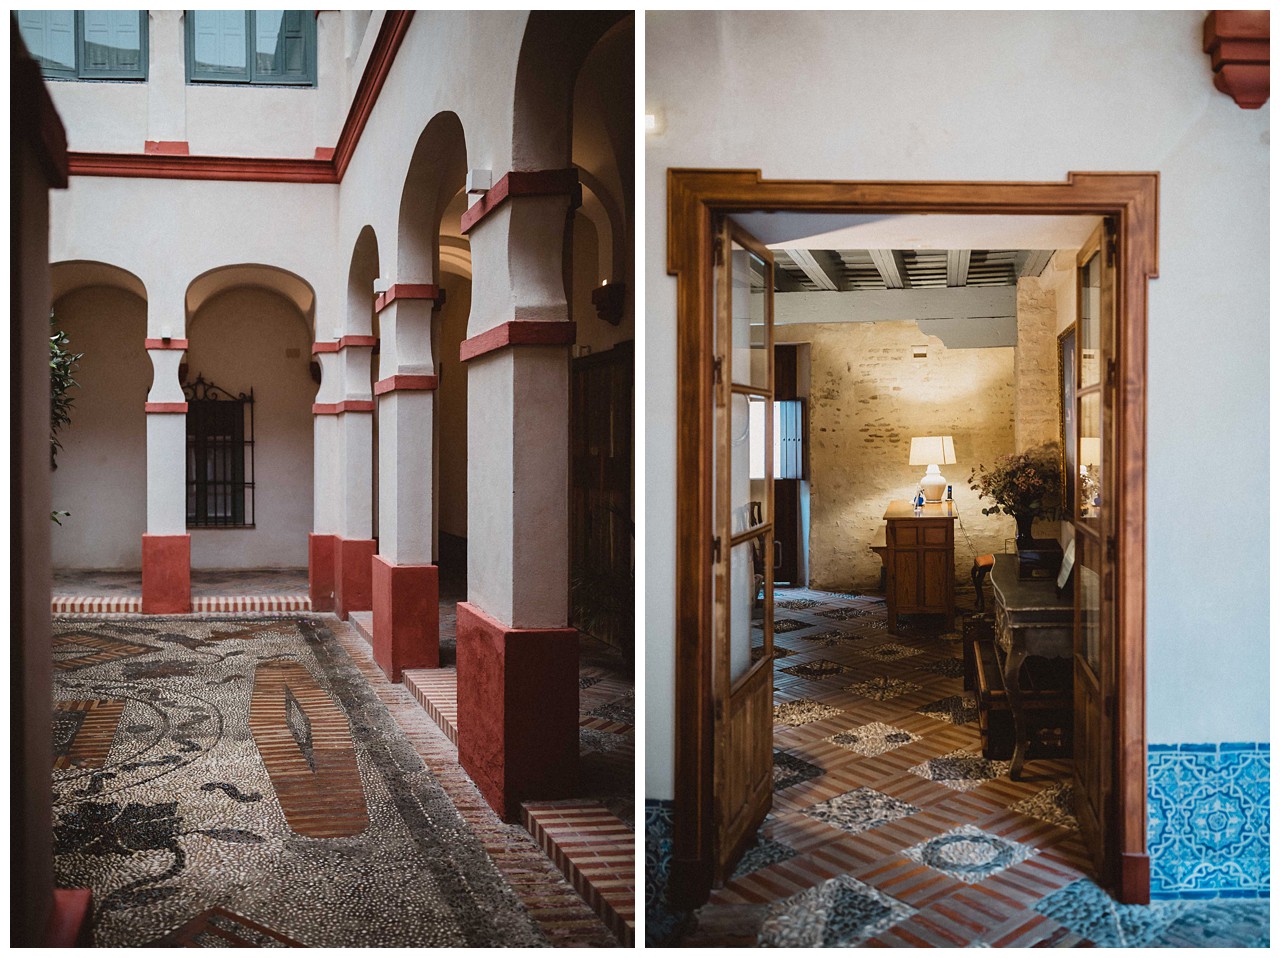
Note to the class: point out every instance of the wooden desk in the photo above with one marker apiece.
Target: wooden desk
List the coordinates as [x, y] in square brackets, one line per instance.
[920, 560]
[1030, 620]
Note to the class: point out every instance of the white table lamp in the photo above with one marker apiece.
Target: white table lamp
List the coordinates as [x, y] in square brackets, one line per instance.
[932, 451]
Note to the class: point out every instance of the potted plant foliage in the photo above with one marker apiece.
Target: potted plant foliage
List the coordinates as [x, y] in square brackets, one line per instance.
[1025, 485]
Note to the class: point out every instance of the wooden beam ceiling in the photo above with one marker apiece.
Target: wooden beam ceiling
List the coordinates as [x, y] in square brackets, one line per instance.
[958, 267]
[891, 266]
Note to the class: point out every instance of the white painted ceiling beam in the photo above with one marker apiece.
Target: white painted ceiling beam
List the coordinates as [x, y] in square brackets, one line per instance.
[1034, 261]
[880, 305]
[891, 266]
[813, 269]
[958, 267]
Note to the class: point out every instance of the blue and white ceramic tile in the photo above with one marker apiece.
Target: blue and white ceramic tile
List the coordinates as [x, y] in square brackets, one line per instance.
[660, 922]
[1209, 820]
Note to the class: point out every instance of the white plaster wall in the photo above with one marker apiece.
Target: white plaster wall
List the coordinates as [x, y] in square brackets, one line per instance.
[243, 339]
[1015, 96]
[215, 118]
[101, 477]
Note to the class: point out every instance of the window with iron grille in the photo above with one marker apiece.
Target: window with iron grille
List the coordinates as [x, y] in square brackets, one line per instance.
[220, 488]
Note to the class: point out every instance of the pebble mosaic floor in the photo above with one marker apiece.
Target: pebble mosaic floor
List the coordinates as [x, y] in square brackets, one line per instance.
[890, 829]
[254, 766]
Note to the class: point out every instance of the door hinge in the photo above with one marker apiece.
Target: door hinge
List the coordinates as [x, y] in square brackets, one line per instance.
[1111, 372]
[717, 251]
[717, 370]
[715, 549]
[1111, 242]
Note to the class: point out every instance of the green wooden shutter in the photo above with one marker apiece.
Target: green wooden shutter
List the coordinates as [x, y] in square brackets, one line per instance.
[50, 36]
[218, 45]
[283, 40]
[113, 44]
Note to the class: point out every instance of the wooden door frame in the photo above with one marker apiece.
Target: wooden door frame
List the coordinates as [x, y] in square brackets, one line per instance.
[694, 198]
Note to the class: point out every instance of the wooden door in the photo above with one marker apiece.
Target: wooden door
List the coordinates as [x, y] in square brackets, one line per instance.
[742, 545]
[1094, 516]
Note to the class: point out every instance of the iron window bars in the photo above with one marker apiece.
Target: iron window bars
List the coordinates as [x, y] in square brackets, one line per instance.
[220, 457]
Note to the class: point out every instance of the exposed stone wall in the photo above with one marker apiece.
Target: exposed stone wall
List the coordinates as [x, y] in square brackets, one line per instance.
[868, 397]
[1046, 306]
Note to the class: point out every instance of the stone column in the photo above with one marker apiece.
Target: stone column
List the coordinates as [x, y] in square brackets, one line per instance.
[322, 544]
[517, 659]
[354, 548]
[406, 583]
[166, 545]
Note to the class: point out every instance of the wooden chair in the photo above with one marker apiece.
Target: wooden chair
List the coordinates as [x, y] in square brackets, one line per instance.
[981, 567]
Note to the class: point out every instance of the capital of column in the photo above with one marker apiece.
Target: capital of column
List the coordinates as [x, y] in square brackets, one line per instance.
[524, 183]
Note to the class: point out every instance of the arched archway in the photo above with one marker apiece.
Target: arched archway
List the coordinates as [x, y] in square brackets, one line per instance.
[406, 612]
[246, 374]
[103, 310]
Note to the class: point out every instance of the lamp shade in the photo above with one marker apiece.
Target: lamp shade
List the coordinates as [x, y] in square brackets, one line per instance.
[932, 451]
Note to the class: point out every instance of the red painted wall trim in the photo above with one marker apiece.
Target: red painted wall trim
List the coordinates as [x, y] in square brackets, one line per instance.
[408, 291]
[404, 384]
[167, 147]
[324, 153]
[161, 344]
[166, 407]
[347, 405]
[324, 348]
[523, 183]
[529, 333]
[241, 168]
[346, 341]
[395, 24]
[34, 119]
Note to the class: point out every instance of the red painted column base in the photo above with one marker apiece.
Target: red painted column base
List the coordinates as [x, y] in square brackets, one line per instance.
[353, 575]
[406, 617]
[517, 710]
[166, 574]
[321, 559]
[69, 925]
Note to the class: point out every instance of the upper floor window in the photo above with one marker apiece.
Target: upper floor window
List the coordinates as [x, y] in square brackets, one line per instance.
[87, 44]
[251, 46]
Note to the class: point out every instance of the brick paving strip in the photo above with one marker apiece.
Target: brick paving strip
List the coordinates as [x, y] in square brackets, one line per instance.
[557, 908]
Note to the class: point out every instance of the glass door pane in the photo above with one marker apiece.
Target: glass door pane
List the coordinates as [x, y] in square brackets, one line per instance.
[1090, 320]
[749, 359]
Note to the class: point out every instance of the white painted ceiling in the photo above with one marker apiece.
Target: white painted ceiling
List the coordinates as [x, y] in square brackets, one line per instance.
[917, 231]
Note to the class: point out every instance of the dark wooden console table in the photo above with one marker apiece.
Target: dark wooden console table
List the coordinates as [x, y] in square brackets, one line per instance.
[920, 560]
[1030, 620]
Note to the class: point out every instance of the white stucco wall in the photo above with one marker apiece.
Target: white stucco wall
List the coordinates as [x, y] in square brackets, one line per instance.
[1014, 96]
[244, 339]
[102, 469]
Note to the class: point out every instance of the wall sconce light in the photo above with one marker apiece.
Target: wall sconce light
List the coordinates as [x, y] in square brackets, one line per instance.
[479, 182]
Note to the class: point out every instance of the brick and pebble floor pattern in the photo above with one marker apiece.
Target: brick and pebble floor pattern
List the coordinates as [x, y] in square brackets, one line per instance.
[212, 590]
[591, 839]
[552, 902]
[890, 829]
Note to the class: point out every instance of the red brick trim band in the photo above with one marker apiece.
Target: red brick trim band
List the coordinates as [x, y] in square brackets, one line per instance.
[324, 348]
[404, 384]
[324, 153]
[167, 148]
[408, 291]
[528, 333]
[166, 407]
[164, 165]
[346, 341]
[162, 344]
[523, 183]
[347, 405]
